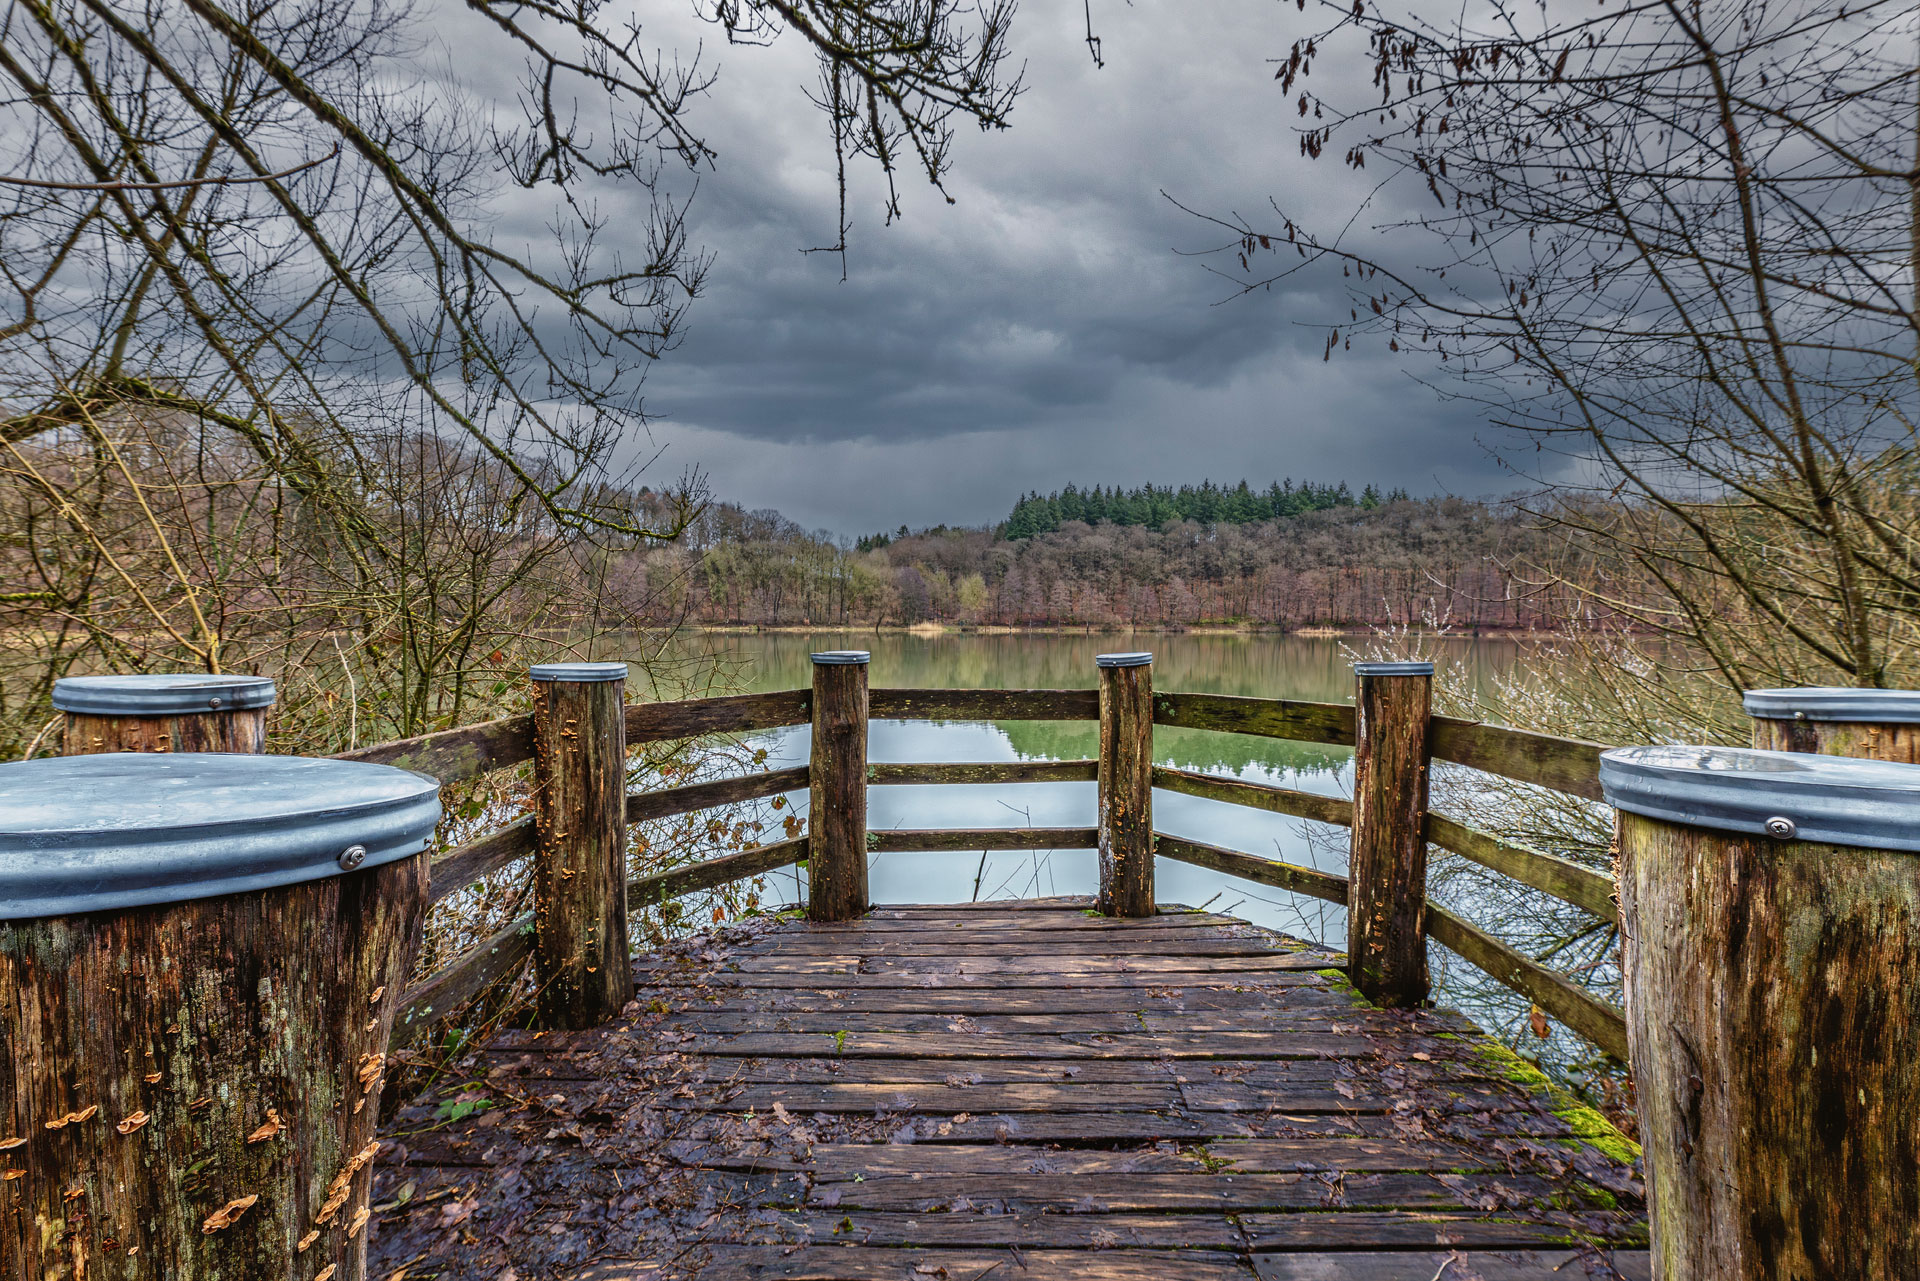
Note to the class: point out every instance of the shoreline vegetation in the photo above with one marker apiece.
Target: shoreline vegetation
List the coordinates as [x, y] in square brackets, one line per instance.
[931, 630]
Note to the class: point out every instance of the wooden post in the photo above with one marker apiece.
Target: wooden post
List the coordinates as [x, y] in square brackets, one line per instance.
[581, 957]
[1773, 1008]
[168, 713]
[1875, 724]
[1126, 784]
[1387, 866]
[193, 1060]
[837, 814]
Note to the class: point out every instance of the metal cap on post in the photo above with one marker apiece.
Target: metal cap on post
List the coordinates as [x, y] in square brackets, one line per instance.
[1387, 859]
[1126, 784]
[837, 787]
[163, 712]
[582, 957]
[1878, 724]
[212, 948]
[1770, 912]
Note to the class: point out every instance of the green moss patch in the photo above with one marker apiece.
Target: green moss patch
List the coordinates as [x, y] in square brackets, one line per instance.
[1587, 1125]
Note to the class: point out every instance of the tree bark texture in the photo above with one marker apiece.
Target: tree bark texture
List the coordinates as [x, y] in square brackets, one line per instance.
[1386, 913]
[837, 814]
[1898, 742]
[1773, 1013]
[244, 730]
[1126, 790]
[190, 1090]
[582, 961]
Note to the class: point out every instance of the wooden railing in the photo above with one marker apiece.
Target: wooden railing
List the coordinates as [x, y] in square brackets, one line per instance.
[1391, 797]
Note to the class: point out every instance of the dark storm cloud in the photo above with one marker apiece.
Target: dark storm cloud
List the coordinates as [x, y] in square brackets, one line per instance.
[1042, 329]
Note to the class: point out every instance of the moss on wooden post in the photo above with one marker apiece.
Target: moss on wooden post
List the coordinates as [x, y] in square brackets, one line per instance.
[1773, 1009]
[163, 713]
[581, 957]
[1126, 784]
[837, 777]
[1387, 866]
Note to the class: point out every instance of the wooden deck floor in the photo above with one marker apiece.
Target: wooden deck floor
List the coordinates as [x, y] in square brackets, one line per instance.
[1002, 1090]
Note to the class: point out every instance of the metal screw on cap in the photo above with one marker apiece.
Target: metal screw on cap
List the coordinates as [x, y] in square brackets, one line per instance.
[352, 856]
[1781, 828]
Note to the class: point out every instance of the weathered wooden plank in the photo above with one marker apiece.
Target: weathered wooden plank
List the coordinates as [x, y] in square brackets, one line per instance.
[836, 1162]
[1283, 1044]
[887, 773]
[1279, 800]
[1026, 1232]
[1309, 991]
[676, 977]
[899, 840]
[1110, 1023]
[864, 1099]
[1528, 1265]
[700, 796]
[1318, 1230]
[1196, 942]
[1564, 764]
[952, 969]
[1547, 873]
[456, 755]
[1071, 922]
[732, 714]
[1603, 1024]
[868, 1263]
[647, 890]
[985, 704]
[1267, 717]
[1286, 876]
[470, 974]
[461, 867]
[1094, 1194]
[1053, 903]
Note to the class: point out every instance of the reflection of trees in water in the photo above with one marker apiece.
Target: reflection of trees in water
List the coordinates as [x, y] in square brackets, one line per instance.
[1194, 749]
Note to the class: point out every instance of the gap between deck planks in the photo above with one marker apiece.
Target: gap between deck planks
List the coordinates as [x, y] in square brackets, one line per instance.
[1006, 1090]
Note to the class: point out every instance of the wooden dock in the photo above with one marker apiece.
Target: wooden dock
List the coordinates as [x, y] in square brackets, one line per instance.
[1004, 1090]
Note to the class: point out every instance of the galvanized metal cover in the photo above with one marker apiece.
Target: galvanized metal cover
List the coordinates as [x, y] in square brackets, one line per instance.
[169, 694]
[1393, 669]
[578, 671]
[122, 830]
[1123, 660]
[1835, 703]
[1838, 800]
[843, 657]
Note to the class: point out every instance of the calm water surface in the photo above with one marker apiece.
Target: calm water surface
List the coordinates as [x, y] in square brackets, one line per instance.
[1317, 669]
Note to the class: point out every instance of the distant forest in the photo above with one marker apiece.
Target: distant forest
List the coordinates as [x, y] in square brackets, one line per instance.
[1289, 556]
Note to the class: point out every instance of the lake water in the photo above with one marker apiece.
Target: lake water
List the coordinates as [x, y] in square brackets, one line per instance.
[1317, 669]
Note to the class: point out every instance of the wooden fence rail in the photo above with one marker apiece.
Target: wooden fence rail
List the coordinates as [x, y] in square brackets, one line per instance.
[836, 854]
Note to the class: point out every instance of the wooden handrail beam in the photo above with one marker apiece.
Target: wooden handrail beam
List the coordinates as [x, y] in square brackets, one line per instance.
[914, 841]
[1565, 880]
[1267, 717]
[1564, 764]
[669, 801]
[646, 891]
[456, 755]
[984, 704]
[1265, 871]
[1279, 800]
[1603, 1024]
[892, 773]
[465, 864]
[730, 714]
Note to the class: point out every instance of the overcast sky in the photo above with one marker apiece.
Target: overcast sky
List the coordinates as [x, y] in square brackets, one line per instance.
[1043, 329]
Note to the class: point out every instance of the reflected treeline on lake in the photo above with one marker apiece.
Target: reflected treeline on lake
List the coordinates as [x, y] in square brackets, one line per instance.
[1194, 749]
[1262, 665]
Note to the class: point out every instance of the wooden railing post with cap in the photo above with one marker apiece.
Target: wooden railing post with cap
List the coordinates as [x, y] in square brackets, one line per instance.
[1875, 724]
[187, 712]
[1126, 784]
[581, 958]
[1387, 866]
[1770, 912]
[837, 781]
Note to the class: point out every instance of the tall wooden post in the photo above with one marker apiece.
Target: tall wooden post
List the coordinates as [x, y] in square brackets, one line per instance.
[1770, 912]
[837, 813]
[1126, 784]
[187, 712]
[201, 958]
[1387, 866]
[1875, 724]
[581, 956]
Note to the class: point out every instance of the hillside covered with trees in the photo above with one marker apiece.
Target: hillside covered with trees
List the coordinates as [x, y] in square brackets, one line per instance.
[1289, 556]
